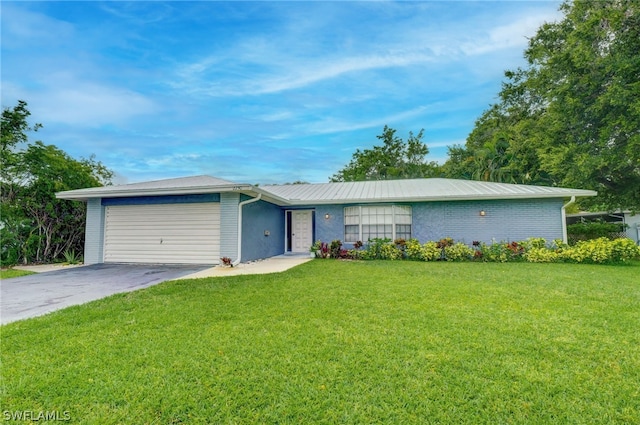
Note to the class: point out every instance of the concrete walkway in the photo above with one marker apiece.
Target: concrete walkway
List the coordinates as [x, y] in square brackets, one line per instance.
[270, 265]
[43, 268]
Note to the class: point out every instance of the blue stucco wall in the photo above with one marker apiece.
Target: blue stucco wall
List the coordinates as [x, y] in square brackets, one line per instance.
[258, 217]
[332, 228]
[505, 220]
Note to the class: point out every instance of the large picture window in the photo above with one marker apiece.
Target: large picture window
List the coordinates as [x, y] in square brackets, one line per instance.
[363, 223]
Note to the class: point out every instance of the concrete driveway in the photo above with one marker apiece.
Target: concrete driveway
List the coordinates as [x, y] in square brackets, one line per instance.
[38, 294]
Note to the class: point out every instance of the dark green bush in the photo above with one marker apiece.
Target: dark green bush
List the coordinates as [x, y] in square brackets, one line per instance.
[533, 250]
[594, 230]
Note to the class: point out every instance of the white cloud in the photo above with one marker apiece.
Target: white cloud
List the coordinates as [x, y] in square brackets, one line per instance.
[46, 64]
[21, 27]
[287, 74]
[512, 35]
[259, 65]
[281, 115]
[67, 99]
[139, 13]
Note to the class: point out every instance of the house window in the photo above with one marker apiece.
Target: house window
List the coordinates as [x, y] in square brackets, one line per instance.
[364, 223]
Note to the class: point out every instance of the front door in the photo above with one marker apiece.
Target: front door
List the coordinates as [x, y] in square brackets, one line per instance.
[301, 230]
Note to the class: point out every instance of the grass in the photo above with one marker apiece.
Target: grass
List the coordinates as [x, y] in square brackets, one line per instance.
[9, 273]
[343, 342]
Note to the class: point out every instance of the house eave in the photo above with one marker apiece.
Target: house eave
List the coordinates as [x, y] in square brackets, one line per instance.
[84, 195]
[300, 202]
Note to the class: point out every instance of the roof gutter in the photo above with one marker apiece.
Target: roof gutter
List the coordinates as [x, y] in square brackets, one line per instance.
[564, 219]
[240, 205]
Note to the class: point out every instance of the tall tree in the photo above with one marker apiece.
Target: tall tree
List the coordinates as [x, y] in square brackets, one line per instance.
[394, 159]
[571, 117]
[497, 150]
[37, 227]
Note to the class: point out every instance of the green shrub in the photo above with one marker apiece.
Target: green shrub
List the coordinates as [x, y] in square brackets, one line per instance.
[373, 250]
[624, 250]
[431, 252]
[494, 253]
[534, 243]
[541, 255]
[594, 230]
[600, 251]
[413, 249]
[335, 248]
[10, 248]
[321, 249]
[533, 250]
[591, 251]
[458, 252]
[382, 249]
[418, 252]
[390, 252]
[355, 254]
[501, 252]
[70, 257]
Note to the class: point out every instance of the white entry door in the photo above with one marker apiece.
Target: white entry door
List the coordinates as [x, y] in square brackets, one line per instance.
[301, 231]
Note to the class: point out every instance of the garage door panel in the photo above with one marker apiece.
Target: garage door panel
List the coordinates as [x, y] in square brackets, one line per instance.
[159, 257]
[159, 247]
[141, 220]
[150, 232]
[151, 242]
[149, 225]
[163, 233]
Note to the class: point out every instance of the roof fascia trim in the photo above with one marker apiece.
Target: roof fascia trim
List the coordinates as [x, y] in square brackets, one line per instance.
[298, 202]
[83, 195]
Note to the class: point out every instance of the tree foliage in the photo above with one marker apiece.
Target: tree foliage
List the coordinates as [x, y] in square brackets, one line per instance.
[394, 159]
[571, 117]
[37, 227]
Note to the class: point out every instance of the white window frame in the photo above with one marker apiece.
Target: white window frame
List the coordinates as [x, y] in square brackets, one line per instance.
[393, 215]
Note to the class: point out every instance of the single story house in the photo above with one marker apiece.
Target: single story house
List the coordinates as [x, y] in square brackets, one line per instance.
[201, 219]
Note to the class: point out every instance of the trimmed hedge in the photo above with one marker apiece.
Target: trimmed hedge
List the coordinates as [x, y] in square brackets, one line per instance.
[594, 230]
[532, 250]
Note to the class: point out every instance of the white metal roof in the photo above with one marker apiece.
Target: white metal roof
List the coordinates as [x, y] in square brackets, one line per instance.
[436, 189]
[334, 193]
[177, 186]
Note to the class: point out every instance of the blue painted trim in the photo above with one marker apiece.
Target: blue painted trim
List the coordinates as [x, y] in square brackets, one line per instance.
[168, 199]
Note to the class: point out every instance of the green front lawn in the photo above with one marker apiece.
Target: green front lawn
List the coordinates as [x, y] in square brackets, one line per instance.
[343, 342]
[9, 273]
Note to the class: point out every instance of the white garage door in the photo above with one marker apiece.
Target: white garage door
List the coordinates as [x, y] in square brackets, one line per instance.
[163, 233]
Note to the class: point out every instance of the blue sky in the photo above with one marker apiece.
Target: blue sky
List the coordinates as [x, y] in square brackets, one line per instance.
[256, 92]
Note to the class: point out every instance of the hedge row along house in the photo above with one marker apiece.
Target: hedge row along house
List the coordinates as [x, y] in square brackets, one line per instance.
[199, 220]
[628, 219]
